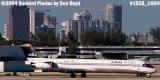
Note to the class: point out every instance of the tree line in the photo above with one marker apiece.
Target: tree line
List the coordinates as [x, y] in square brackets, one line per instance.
[39, 39]
[100, 38]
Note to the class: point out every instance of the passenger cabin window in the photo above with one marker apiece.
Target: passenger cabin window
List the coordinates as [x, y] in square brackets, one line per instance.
[147, 65]
[29, 52]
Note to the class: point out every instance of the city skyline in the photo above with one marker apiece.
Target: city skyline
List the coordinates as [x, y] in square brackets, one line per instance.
[24, 23]
[133, 20]
[82, 21]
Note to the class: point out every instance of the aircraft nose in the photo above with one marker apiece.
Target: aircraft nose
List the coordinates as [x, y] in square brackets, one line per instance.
[153, 70]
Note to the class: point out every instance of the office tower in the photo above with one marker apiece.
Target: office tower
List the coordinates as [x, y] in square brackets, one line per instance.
[101, 24]
[19, 23]
[74, 28]
[82, 21]
[113, 14]
[6, 31]
[44, 22]
[52, 21]
[32, 23]
[84, 15]
[39, 20]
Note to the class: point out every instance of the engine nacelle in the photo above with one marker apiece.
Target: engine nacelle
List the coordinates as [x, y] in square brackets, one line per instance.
[42, 65]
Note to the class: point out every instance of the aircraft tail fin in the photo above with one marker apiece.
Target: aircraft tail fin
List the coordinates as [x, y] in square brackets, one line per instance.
[62, 51]
[98, 55]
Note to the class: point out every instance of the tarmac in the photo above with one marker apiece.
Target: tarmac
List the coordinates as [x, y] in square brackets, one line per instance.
[90, 76]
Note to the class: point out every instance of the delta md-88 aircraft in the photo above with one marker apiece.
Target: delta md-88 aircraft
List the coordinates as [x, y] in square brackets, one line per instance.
[84, 66]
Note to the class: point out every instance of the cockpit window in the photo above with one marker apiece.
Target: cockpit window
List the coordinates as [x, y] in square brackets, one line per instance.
[147, 65]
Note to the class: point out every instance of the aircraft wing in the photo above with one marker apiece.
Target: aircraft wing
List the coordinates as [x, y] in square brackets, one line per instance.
[72, 68]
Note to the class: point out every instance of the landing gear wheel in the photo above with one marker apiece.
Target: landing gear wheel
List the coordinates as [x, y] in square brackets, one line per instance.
[83, 74]
[14, 73]
[148, 75]
[141, 74]
[138, 74]
[73, 75]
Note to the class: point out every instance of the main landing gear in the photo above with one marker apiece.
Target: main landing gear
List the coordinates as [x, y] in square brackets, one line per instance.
[73, 75]
[83, 74]
[143, 74]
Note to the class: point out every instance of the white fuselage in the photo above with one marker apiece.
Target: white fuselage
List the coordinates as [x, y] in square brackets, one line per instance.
[95, 65]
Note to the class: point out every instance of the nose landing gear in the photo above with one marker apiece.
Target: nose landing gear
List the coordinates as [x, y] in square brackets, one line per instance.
[148, 75]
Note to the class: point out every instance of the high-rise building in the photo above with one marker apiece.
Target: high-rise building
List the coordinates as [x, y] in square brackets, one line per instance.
[32, 23]
[44, 22]
[39, 20]
[78, 25]
[19, 23]
[6, 32]
[24, 23]
[113, 14]
[82, 21]
[74, 28]
[52, 21]
[84, 15]
[102, 24]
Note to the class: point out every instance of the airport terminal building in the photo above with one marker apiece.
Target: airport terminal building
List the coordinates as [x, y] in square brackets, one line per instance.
[108, 52]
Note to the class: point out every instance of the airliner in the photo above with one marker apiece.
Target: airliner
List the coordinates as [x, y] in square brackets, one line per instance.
[84, 66]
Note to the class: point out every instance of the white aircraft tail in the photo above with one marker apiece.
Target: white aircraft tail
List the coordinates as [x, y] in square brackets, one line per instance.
[98, 54]
[62, 51]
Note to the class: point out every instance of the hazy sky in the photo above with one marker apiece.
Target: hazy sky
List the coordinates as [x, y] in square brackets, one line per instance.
[135, 19]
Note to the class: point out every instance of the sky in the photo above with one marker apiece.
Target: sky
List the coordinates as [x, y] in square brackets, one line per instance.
[134, 18]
